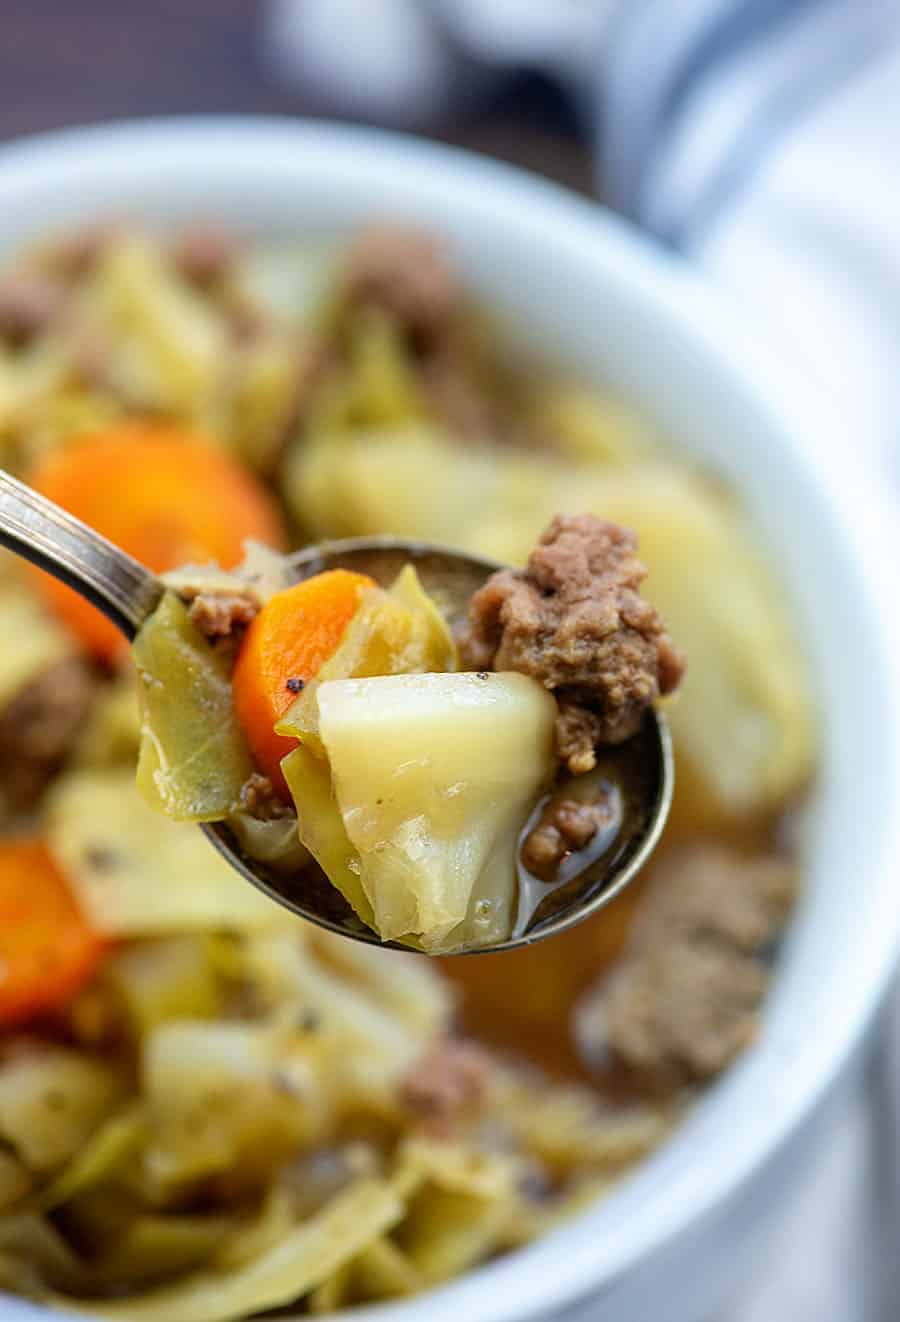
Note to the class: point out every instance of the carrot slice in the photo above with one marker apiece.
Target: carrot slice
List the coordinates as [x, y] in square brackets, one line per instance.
[295, 632]
[162, 494]
[47, 947]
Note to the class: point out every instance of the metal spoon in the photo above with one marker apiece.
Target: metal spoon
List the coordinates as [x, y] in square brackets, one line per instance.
[127, 593]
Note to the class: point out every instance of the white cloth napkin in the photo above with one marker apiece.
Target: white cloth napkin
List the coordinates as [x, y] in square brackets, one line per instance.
[762, 139]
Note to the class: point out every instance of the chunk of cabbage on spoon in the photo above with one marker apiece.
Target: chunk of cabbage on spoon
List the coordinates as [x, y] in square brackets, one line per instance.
[448, 770]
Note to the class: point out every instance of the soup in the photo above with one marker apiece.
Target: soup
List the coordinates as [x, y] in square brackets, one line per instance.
[206, 1106]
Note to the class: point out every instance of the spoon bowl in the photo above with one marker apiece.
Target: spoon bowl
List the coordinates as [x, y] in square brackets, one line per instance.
[451, 577]
[38, 530]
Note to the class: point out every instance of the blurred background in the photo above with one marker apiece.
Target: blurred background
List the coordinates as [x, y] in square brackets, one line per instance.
[76, 61]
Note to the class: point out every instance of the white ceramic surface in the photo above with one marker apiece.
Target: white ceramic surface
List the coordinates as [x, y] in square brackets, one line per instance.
[582, 287]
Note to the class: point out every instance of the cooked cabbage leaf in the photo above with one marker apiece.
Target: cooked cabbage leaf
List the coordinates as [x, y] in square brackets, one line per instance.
[368, 1047]
[306, 1256]
[51, 1100]
[35, 641]
[229, 1096]
[404, 984]
[172, 977]
[105, 1150]
[154, 1247]
[169, 344]
[321, 827]
[433, 776]
[262, 572]
[193, 759]
[274, 842]
[137, 873]
[111, 735]
[459, 1206]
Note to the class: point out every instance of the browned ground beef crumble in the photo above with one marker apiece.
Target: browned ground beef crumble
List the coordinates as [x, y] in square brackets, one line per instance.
[223, 614]
[260, 799]
[574, 620]
[29, 302]
[565, 826]
[403, 272]
[72, 256]
[205, 254]
[449, 1079]
[39, 727]
[685, 999]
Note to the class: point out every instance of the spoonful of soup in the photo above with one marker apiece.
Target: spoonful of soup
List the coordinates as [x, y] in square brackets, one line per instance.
[403, 743]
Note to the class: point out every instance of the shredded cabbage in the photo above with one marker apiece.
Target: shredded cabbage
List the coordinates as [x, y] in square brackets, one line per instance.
[193, 759]
[51, 1100]
[307, 1255]
[137, 873]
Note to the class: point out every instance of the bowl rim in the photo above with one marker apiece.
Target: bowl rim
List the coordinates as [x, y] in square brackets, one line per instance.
[598, 1245]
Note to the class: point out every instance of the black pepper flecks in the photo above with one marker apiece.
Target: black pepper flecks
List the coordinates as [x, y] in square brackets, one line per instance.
[295, 684]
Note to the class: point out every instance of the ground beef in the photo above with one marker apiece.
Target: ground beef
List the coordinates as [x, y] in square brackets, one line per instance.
[204, 254]
[574, 620]
[460, 400]
[39, 727]
[223, 614]
[685, 999]
[404, 272]
[91, 358]
[564, 827]
[73, 256]
[451, 1078]
[30, 301]
[261, 800]
[579, 731]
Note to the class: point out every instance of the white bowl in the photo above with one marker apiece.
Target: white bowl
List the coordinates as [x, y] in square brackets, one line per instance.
[586, 289]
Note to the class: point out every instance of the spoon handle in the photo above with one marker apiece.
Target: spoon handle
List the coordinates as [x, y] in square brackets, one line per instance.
[39, 531]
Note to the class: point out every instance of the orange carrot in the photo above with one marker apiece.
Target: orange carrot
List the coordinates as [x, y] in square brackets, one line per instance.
[295, 632]
[47, 947]
[164, 495]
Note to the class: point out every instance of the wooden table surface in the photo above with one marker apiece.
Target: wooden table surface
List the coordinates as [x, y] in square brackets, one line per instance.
[79, 61]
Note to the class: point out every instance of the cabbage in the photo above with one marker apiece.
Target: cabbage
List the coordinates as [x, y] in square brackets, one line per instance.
[169, 978]
[404, 984]
[382, 1271]
[136, 873]
[367, 1048]
[39, 641]
[169, 342]
[112, 733]
[33, 1255]
[51, 1100]
[153, 1247]
[263, 572]
[15, 1179]
[433, 776]
[274, 842]
[117, 1139]
[459, 1206]
[306, 1256]
[193, 760]
[229, 1097]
